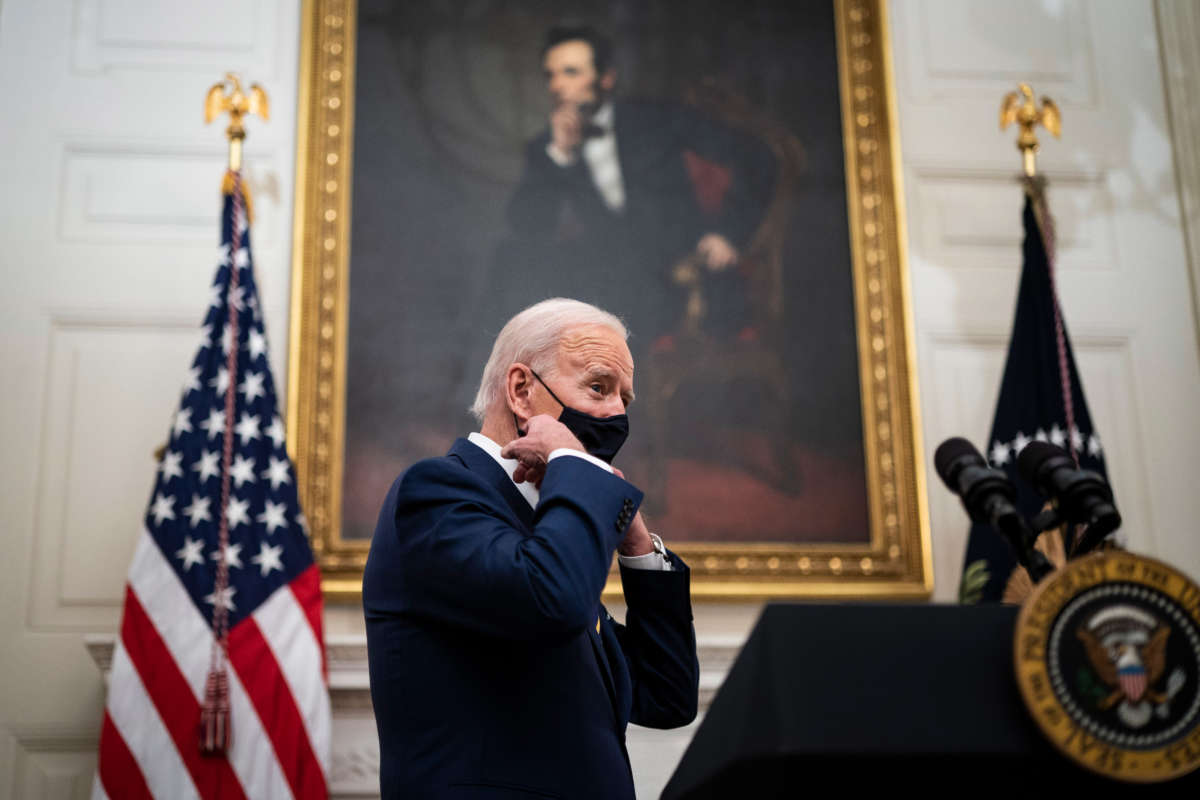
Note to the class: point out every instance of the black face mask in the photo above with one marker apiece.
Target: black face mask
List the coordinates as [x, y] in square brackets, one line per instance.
[602, 437]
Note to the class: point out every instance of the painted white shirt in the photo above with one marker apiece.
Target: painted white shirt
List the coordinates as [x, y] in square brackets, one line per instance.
[654, 560]
[600, 155]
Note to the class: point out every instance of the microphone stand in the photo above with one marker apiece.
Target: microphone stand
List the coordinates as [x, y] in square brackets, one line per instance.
[1013, 527]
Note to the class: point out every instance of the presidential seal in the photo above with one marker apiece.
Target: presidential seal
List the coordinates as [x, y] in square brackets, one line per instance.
[1107, 656]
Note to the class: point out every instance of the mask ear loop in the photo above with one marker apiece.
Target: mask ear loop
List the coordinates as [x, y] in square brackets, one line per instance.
[517, 422]
[548, 389]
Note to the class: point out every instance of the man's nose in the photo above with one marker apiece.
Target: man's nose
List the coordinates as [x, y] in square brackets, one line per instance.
[613, 406]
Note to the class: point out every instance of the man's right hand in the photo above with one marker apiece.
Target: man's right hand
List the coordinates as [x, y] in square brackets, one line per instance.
[543, 435]
[566, 129]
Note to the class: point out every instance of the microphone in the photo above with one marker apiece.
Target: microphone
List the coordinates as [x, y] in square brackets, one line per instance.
[987, 494]
[1081, 496]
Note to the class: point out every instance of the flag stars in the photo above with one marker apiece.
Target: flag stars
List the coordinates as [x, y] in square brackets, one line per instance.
[192, 382]
[999, 454]
[163, 508]
[183, 422]
[221, 382]
[233, 555]
[190, 553]
[242, 259]
[207, 466]
[198, 511]
[1020, 443]
[247, 428]
[256, 344]
[214, 295]
[1041, 436]
[273, 516]
[242, 470]
[268, 558]
[236, 295]
[170, 465]
[277, 472]
[237, 513]
[1057, 436]
[215, 424]
[1093, 446]
[226, 339]
[222, 599]
[252, 386]
[276, 432]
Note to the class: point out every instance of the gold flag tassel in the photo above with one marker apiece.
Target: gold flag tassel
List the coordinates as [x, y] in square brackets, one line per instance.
[228, 96]
[215, 730]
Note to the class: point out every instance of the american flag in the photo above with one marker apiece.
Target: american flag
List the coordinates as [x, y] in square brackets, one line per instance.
[278, 697]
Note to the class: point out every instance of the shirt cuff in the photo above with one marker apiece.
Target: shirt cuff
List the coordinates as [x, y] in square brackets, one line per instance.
[656, 560]
[567, 451]
[559, 157]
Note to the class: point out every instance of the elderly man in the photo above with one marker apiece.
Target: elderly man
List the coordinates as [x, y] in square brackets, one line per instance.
[495, 671]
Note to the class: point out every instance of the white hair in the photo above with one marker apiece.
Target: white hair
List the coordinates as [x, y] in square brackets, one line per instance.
[532, 337]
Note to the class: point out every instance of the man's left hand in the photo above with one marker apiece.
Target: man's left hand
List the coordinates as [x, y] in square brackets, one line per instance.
[717, 251]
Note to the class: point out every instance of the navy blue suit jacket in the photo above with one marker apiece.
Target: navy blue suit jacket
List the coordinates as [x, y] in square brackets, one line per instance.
[488, 676]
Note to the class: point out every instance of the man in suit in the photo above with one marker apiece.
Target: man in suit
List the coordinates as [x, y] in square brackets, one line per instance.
[495, 671]
[610, 191]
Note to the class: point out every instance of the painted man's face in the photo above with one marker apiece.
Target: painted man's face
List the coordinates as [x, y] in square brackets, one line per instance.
[571, 76]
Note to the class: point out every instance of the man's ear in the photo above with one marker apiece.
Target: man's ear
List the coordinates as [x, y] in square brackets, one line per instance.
[518, 387]
[608, 80]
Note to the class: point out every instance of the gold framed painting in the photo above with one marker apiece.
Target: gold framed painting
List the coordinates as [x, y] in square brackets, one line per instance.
[753, 243]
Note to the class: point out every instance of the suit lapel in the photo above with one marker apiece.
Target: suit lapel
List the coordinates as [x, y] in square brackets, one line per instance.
[485, 466]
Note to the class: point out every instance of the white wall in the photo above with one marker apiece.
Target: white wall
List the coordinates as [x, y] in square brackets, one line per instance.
[109, 221]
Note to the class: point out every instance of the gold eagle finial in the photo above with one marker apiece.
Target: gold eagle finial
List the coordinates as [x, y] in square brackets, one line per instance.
[228, 96]
[1019, 107]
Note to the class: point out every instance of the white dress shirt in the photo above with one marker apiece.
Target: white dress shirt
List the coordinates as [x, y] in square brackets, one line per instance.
[600, 155]
[655, 560]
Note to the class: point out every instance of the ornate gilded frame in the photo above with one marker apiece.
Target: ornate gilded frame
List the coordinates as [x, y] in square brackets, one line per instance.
[895, 563]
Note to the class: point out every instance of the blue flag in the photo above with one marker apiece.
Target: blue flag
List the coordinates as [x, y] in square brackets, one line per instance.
[1041, 399]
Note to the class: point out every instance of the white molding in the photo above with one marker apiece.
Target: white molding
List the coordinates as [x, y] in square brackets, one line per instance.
[233, 36]
[66, 591]
[969, 217]
[50, 762]
[1066, 70]
[135, 191]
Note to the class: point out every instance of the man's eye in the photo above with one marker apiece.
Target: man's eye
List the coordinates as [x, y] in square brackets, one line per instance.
[597, 388]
